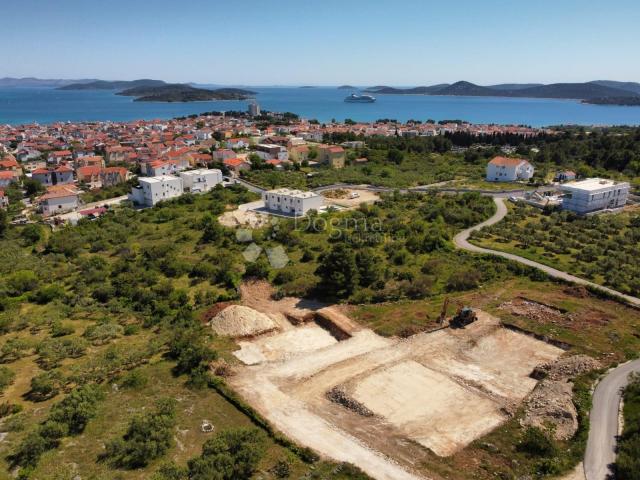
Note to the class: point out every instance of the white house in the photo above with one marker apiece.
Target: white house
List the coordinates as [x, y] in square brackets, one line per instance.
[594, 194]
[152, 190]
[201, 180]
[59, 199]
[504, 169]
[295, 202]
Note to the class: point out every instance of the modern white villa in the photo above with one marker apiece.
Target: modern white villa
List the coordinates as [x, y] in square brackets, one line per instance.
[292, 202]
[505, 169]
[200, 181]
[152, 190]
[594, 194]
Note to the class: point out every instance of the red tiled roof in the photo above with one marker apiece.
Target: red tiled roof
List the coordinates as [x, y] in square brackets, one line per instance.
[233, 162]
[506, 161]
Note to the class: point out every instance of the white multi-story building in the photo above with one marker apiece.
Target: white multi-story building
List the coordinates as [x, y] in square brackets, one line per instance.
[152, 190]
[202, 180]
[504, 169]
[594, 194]
[292, 202]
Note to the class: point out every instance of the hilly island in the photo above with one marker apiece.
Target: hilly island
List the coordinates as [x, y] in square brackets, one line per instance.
[145, 90]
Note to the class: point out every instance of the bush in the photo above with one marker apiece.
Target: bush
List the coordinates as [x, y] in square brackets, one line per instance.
[77, 408]
[52, 351]
[6, 377]
[21, 282]
[58, 329]
[45, 386]
[47, 294]
[232, 454]
[134, 379]
[535, 442]
[148, 437]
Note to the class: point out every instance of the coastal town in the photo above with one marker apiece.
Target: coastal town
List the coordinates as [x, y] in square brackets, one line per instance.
[69, 159]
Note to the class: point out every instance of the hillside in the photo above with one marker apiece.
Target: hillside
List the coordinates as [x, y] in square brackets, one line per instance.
[572, 90]
[30, 82]
[183, 93]
[514, 86]
[431, 90]
[581, 91]
[113, 85]
[629, 86]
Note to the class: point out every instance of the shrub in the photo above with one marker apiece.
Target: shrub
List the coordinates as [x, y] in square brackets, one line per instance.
[21, 282]
[47, 294]
[45, 386]
[536, 443]
[134, 379]
[148, 437]
[77, 408]
[58, 329]
[6, 377]
[231, 455]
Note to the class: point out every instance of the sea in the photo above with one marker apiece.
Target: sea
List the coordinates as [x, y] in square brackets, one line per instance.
[47, 105]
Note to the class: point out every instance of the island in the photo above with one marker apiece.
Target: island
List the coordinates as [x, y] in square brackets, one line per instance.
[113, 85]
[180, 92]
[591, 92]
[346, 87]
[146, 90]
[621, 101]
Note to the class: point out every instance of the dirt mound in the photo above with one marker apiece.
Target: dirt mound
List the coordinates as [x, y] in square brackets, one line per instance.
[578, 291]
[551, 402]
[533, 310]
[241, 321]
[566, 368]
[214, 310]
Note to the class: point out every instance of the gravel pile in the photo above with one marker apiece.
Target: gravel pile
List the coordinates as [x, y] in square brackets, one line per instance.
[339, 395]
[551, 402]
[241, 321]
[566, 368]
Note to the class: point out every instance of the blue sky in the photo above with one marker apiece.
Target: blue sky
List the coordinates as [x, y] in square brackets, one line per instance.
[322, 42]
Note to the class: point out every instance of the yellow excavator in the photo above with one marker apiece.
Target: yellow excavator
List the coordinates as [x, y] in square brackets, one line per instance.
[463, 317]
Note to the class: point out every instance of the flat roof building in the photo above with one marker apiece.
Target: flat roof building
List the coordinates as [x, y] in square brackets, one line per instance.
[152, 190]
[594, 194]
[293, 202]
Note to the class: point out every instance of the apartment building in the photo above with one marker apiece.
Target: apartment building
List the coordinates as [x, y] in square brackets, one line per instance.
[594, 194]
[292, 202]
[152, 190]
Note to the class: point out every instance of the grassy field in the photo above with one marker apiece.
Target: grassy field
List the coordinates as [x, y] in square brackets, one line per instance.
[415, 169]
[602, 248]
[89, 305]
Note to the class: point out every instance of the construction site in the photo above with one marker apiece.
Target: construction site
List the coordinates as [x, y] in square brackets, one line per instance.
[382, 403]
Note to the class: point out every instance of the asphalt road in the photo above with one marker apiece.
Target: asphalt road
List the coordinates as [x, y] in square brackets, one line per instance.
[603, 421]
[461, 240]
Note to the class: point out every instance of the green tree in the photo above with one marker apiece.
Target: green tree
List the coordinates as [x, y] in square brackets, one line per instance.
[231, 455]
[338, 271]
[396, 156]
[212, 231]
[148, 437]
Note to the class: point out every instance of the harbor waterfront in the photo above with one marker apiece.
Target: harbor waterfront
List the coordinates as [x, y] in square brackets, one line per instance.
[46, 105]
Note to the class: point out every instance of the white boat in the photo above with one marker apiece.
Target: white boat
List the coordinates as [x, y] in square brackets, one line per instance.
[353, 98]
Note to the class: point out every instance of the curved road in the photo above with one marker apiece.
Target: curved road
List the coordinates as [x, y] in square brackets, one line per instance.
[461, 240]
[603, 419]
[604, 414]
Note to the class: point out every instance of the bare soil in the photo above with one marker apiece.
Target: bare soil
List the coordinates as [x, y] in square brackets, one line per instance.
[432, 392]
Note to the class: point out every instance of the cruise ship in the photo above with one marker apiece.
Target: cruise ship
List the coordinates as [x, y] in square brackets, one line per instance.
[353, 98]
